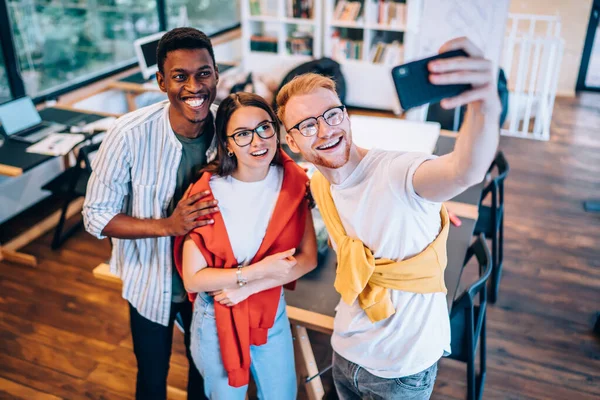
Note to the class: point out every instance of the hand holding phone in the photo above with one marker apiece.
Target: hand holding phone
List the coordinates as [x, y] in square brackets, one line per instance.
[414, 87]
[457, 76]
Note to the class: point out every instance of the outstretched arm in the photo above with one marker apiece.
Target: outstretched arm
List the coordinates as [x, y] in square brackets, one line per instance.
[443, 178]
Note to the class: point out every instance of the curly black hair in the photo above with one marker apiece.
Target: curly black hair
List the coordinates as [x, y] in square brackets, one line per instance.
[182, 38]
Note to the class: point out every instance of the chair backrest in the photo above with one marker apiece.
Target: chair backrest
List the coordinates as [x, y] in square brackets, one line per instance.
[81, 173]
[497, 182]
[501, 165]
[84, 155]
[481, 251]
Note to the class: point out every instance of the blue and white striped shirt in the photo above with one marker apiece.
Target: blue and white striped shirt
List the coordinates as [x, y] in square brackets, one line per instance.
[135, 173]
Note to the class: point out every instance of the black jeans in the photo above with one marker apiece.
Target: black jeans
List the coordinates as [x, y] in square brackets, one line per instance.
[152, 347]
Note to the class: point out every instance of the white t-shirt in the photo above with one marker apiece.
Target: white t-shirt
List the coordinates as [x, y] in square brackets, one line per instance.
[378, 205]
[247, 208]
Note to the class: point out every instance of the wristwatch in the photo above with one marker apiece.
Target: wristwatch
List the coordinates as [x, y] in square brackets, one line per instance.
[241, 281]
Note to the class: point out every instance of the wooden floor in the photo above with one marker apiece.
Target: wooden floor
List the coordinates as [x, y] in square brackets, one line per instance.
[65, 335]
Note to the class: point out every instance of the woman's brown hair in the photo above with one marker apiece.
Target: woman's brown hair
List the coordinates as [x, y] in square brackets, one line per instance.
[224, 165]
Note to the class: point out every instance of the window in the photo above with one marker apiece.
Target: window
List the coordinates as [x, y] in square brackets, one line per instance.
[4, 89]
[62, 42]
[592, 78]
[210, 16]
[589, 70]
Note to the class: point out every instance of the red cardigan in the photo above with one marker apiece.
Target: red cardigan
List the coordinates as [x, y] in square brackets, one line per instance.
[247, 323]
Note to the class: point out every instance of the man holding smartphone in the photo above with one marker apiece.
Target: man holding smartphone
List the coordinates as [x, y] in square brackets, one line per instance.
[384, 206]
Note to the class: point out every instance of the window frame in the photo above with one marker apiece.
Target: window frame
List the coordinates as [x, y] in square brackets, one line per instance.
[15, 80]
[587, 49]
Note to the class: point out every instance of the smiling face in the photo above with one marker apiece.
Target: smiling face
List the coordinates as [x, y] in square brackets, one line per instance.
[190, 81]
[258, 155]
[330, 146]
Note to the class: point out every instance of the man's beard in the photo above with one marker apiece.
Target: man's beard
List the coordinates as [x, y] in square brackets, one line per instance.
[318, 160]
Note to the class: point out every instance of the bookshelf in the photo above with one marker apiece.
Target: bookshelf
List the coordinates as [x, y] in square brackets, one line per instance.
[278, 35]
[368, 38]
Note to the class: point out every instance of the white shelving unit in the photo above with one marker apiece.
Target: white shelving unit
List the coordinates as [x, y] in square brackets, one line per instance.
[369, 84]
[274, 20]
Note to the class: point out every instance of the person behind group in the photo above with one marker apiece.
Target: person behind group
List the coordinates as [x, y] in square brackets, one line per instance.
[384, 215]
[262, 239]
[145, 164]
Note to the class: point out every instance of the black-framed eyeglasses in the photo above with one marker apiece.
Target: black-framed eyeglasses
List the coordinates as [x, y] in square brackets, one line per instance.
[264, 130]
[310, 126]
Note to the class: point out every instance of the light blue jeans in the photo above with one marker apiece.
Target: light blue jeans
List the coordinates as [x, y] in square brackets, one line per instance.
[272, 366]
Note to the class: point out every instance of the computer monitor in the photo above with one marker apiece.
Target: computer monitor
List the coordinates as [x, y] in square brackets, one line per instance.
[145, 50]
[18, 115]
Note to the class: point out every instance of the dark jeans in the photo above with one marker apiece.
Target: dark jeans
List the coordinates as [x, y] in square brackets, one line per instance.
[152, 347]
[354, 382]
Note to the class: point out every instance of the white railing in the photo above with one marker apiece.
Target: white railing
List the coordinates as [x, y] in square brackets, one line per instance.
[533, 51]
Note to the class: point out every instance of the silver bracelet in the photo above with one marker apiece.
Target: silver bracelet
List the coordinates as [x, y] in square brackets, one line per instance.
[241, 281]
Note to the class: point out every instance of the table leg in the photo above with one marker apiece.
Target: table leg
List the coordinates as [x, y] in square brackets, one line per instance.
[130, 97]
[306, 364]
[17, 257]
[9, 251]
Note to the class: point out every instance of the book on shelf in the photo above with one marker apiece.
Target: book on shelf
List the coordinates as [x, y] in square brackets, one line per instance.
[347, 10]
[263, 43]
[300, 9]
[255, 9]
[263, 8]
[346, 49]
[300, 43]
[387, 53]
[390, 13]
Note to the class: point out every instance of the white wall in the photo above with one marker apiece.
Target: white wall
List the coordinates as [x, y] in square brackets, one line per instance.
[574, 15]
[229, 52]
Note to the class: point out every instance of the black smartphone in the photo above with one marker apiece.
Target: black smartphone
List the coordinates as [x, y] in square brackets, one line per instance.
[413, 86]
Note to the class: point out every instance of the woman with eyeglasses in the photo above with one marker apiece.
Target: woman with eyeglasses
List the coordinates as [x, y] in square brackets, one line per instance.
[234, 269]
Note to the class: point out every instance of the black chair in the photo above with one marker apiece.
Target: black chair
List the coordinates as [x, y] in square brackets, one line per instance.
[491, 219]
[467, 320]
[70, 185]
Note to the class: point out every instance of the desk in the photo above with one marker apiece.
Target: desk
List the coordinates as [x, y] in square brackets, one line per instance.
[14, 161]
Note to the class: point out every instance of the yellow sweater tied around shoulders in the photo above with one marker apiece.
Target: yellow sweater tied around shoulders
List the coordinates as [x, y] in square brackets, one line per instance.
[360, 275]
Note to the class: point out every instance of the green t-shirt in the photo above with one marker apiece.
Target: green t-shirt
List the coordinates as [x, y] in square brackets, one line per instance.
[193, 158]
